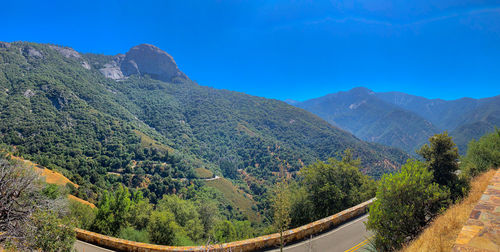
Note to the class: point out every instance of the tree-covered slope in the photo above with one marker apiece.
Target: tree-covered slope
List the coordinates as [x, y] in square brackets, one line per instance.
[365, 115]
[465, 118]
[58, 109]
[403, 120]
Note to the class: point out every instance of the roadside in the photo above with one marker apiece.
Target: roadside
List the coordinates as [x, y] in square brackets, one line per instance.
[442, 233]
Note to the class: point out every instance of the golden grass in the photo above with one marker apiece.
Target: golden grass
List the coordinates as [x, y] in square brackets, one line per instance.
[443, 231]
[72, 197]
[236, 197]
[51, 177]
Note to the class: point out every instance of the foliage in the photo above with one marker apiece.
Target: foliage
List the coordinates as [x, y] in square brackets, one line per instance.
[31, 212]
[132, 234]
[281, 207]
[185, 215]
[82, 213]
[441, 156]
[406, 202]
[162, 228]
[113, 212]
[301, 205]
[51, 232]
[336, 185]
[482, 154]
[224, 231]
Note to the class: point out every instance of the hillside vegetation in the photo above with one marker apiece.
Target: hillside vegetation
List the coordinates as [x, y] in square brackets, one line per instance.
[441, 234]
[61, 112]
[140, 138]
[406, 121]
[432, 187]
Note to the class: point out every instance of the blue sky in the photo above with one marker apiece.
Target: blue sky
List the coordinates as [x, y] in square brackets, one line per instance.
[288, 49]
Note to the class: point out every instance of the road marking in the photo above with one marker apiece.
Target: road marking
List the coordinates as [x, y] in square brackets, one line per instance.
[325, 234]
[359, 245]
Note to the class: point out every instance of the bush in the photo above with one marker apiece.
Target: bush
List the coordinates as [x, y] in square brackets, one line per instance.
[51, 232]
[132, 234]
[336, 185]
[482, 155]
[405, 203]
[84, 214]
[162, 228]
[224, 231]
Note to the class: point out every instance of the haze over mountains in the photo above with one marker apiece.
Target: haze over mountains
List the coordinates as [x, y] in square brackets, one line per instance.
[403, 120]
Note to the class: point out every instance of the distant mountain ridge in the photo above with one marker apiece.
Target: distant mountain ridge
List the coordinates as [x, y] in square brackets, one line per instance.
[406, 121]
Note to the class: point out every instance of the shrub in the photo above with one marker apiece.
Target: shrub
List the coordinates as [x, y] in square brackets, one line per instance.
[405, 203]
[482, 155]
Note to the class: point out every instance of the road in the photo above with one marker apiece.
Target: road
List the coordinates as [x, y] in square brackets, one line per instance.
[87, 247]
[348, 237]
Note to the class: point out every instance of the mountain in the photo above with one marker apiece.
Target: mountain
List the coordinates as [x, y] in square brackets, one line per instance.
[370, 118]
[137, 119]
[406, 121]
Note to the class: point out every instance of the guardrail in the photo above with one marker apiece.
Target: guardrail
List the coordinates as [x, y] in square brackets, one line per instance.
[258, 243]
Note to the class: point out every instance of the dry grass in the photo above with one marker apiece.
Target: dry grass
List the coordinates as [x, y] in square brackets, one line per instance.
[71, 197]
[51, 177]
[443, 231]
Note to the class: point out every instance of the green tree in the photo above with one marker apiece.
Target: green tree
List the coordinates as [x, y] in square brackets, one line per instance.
[336, 185]
[83, 214]
[140, 211]
[441, 156]
[185, 215]
[301, 205]
[162, 228]
[113, 211]
[281, 207]
[482, 154]
[224, 231]
[406, 202]
[52, 233]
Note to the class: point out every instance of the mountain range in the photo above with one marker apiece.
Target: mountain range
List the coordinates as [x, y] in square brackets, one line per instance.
[137, 119]
[403, 120]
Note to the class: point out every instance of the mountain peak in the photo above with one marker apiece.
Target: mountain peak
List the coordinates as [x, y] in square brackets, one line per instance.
[148, 59]
[361, 90]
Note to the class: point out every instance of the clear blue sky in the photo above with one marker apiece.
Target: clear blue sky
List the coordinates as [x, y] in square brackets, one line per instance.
[288, 49]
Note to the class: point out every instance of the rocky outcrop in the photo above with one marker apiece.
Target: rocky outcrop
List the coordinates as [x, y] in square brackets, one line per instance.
[112, 69]
[71, 53]
[32, 52]
[66, 51]
[150, 60]
[143, 60]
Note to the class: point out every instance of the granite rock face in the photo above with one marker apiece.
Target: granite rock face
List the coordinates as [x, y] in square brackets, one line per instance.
[66, 51]
[150, 60]
[112, 69]
[71, 53]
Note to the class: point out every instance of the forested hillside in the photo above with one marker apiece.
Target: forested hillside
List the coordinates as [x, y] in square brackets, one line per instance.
[361, 112]
[85, 116]
[406, 121]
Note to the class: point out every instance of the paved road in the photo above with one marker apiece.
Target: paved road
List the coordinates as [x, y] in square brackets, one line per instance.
[86, 247]
[348, 237]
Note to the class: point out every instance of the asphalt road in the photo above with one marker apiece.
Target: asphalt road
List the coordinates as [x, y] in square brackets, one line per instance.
[87, 247]
[348, 237]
